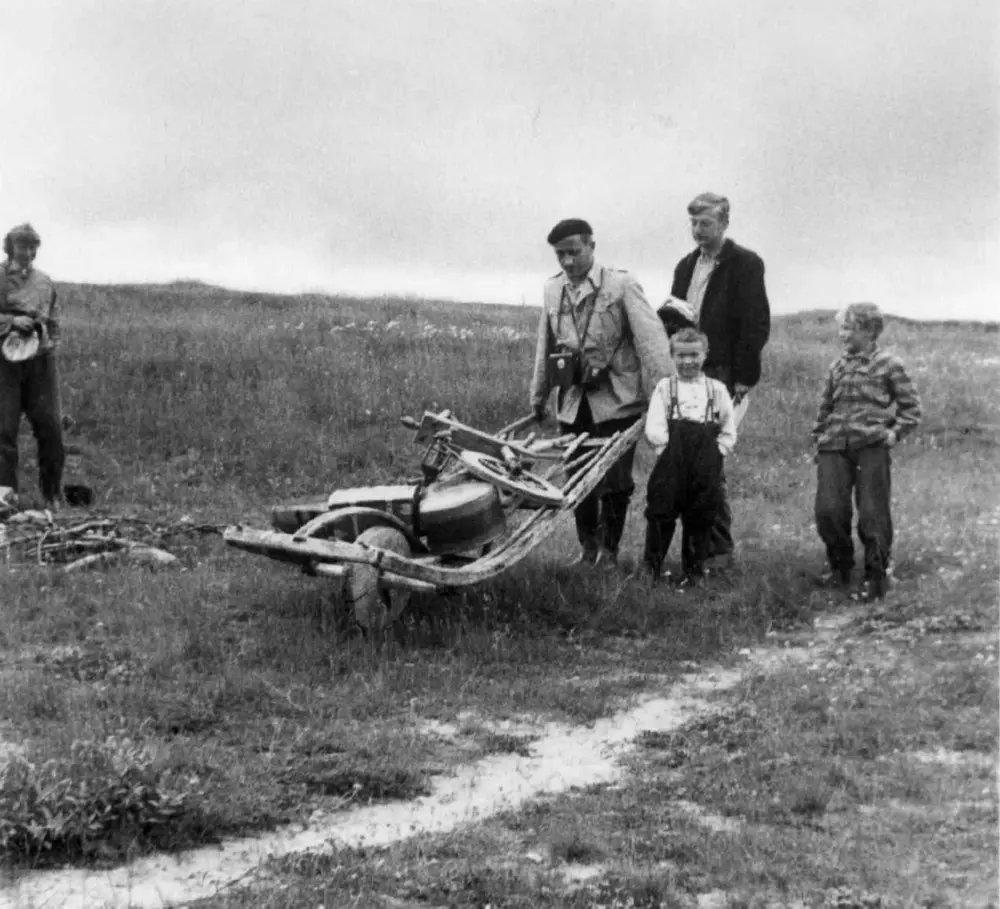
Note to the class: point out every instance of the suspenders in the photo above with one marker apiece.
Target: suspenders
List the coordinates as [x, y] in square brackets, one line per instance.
[711, 413]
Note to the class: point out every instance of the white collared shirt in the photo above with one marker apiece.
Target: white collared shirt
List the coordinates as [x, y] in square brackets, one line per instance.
[703, 269]
[692, 401]
[579, 292]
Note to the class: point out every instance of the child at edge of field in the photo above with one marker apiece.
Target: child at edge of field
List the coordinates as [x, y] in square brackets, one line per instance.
[868, 405]
[691, 427]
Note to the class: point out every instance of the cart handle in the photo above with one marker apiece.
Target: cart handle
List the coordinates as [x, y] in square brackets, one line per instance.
[516, 425]
[412, 423]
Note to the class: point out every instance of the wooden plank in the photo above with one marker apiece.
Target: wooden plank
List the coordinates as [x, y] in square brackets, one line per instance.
[385, 579]
[508, 431]
[331, 571]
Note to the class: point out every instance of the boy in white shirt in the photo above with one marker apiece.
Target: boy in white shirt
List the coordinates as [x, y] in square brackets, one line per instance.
[691, 426]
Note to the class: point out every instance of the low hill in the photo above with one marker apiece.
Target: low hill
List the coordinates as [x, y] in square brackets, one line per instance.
[195, 287]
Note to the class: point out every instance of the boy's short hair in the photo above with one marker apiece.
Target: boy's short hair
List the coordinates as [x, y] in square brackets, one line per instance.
[867, 316]
[689, 336]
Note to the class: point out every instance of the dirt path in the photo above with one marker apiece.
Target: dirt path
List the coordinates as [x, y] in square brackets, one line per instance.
[475, 792]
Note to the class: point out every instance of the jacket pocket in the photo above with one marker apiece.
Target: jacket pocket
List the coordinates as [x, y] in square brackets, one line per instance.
[615, 340]
[626, 360]
[562, 330]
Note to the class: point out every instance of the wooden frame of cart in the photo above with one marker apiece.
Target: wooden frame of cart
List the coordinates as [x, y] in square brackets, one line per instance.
[482, 503]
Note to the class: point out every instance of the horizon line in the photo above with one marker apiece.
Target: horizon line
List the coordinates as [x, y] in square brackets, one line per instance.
[413, 296]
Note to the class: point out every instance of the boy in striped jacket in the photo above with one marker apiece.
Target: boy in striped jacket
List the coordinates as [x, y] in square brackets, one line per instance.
[868, 405]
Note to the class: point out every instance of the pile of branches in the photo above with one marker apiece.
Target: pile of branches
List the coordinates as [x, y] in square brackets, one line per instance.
[74, 542]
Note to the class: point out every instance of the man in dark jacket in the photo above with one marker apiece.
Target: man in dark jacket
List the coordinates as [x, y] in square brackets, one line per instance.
[722, 284]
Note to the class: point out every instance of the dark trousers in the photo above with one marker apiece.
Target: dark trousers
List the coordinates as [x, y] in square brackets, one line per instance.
[865, 474]
[600, 517]
[721, 538]
[32, 388]
[686, 484]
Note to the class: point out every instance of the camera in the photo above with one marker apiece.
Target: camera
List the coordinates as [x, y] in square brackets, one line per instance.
[593, 376]
[563, 369]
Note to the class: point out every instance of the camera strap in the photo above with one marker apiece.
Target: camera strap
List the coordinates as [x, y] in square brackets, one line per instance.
[581, 337]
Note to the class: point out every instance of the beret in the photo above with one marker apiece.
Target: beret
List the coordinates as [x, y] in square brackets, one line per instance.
[568, 228]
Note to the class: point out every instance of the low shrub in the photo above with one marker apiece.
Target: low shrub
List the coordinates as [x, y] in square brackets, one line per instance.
[106, 800]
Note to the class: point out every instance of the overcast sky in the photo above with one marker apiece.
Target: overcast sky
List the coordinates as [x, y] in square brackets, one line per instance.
[428, 146]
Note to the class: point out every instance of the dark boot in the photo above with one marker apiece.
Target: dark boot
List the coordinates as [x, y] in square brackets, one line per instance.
[659, 534]
[587, 521]
[835, 577]
[614, 511]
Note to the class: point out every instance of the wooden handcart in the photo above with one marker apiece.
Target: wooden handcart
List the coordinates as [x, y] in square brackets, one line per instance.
[482, 503]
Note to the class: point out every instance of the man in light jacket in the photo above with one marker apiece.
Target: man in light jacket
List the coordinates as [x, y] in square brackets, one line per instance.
[614, 350]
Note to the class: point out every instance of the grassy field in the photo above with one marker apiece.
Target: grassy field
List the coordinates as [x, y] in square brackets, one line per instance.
[215, 684]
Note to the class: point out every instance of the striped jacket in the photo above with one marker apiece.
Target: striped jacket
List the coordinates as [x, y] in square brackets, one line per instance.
[866, 395]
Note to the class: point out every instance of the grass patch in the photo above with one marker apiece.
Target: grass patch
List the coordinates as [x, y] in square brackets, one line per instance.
[106, 801]
[362, 778]
[506, 743]
[576, 845]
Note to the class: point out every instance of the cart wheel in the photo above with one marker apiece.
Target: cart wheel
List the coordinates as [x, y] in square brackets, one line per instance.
[376, 608]
[495, 471]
